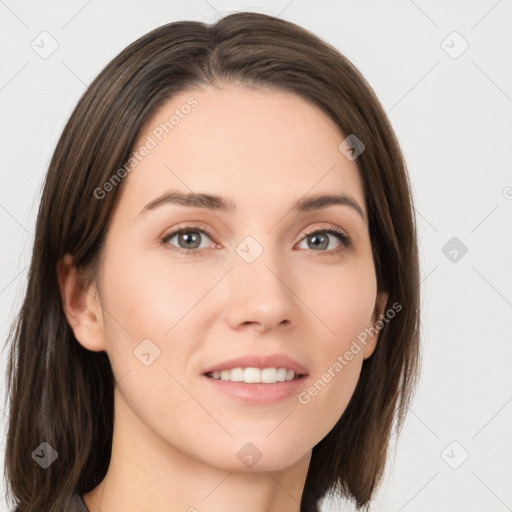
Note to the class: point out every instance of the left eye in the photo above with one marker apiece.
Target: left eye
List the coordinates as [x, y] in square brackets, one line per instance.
[320, 239]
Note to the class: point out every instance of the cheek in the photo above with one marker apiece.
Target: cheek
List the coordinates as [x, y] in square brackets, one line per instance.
[345, 309]
[326, 397]
[151, 329]
[343, 300]
[154, 319]
[149, 300]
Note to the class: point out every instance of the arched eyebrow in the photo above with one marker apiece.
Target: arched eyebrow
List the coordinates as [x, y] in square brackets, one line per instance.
[228, 205]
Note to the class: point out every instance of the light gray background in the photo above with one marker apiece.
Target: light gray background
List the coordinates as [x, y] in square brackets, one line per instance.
[453, 117]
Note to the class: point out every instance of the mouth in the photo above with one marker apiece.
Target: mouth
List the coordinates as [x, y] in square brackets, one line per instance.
[255, 386]
[257, 379]
[252, 375]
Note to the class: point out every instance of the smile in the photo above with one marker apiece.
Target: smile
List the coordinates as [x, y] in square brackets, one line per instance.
[255, 375]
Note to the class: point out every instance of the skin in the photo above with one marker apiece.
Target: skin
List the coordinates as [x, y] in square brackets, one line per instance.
[265, 149]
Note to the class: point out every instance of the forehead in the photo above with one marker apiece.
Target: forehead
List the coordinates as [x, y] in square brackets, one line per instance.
[255, 145]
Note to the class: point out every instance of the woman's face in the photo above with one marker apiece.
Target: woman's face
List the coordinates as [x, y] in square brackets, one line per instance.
[258, 283]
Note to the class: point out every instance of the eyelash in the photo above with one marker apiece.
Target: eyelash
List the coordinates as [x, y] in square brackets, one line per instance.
[346, 242]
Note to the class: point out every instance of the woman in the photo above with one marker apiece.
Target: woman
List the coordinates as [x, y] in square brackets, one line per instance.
[260, 369]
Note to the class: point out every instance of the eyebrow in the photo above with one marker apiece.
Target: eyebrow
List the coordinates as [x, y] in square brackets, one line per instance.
[221, 204]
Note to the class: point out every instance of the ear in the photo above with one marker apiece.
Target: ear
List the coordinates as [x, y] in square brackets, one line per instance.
[380, 308]
[81, 305]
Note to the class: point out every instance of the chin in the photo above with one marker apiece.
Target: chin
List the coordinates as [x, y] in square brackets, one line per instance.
[257, 455]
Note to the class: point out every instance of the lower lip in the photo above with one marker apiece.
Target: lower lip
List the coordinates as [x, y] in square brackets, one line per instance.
[258, 393]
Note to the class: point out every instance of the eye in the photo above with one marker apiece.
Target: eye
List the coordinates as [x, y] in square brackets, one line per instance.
[188, 239]
[319, 239]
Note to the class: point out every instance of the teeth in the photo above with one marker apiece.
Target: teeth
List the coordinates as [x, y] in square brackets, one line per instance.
[255, 375]
[281, 374]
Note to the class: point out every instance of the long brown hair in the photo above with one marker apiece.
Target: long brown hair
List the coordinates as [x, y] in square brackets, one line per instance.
[61, 393]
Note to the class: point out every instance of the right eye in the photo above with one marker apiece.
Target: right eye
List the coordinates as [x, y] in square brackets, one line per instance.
[189, 236]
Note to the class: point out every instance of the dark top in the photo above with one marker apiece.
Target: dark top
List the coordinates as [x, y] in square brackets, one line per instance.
[78, 504]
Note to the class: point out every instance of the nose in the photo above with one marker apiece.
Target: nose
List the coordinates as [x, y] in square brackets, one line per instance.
[261, 294]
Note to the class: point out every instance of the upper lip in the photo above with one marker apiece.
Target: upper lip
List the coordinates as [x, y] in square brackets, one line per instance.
[260, 361]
